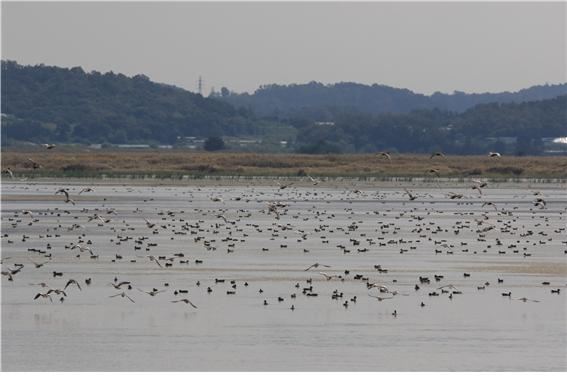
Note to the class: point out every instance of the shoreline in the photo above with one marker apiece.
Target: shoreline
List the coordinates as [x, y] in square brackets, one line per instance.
[189, 165]
[296, 182]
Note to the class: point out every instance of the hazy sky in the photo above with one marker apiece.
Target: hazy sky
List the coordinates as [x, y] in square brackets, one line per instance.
[426, 47]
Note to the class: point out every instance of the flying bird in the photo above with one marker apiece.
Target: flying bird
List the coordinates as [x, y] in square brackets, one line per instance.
[152, 258]
[480, 183]
[314, 181]
[380, 298]
[149, 224]
[66, 193]
[38, 264]
[152, 292]
[57, 292]
[98, 217]
[8, 171]
[446, 286]
[122, 295]
[45, 296]
[528, 300]
[72, 282]
[437, 154]
[385, 155]
[434, 171]
[328, 277]
[118, 286]
[35, 165]
[27, 212]
[411, 196]
[85, 190]
[490, 204]
[478, 189]
[186, 301]
[316, 265]
[381, 288]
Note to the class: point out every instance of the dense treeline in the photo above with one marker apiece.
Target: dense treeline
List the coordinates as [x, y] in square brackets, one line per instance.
[52, 104]
[49, 104]
[478, 130]
[282, 101]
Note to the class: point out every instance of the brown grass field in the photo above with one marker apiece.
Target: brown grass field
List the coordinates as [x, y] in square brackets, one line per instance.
[175, 164]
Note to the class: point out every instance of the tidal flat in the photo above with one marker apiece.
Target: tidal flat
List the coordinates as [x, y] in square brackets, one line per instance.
[337, 275]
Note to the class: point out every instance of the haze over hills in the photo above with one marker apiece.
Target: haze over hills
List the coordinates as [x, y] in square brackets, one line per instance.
[283, 101]
[52, 104]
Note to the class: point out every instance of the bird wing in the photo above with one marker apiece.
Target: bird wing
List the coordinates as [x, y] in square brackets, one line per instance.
[380, 298]
[157, 262]
[447, 286]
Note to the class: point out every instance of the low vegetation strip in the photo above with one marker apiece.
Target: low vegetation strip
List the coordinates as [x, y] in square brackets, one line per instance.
[176, 164]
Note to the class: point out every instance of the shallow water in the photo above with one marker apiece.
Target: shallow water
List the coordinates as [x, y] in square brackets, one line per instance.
[478, 330]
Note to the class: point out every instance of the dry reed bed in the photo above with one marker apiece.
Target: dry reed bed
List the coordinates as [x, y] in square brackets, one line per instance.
[174, 162]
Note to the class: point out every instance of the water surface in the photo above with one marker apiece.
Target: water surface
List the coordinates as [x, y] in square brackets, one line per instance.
[477, 330]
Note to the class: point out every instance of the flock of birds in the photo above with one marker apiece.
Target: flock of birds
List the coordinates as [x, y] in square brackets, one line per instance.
[284, 218]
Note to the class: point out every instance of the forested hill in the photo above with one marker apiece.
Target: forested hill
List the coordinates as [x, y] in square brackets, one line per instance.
[44, 103]
[511, 128]
[322, 102]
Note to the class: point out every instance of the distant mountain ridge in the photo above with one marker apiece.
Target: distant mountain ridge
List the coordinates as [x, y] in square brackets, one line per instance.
[286, 100]
[45, 104]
